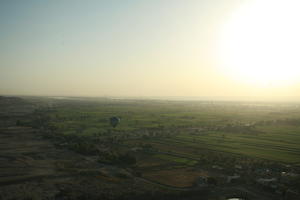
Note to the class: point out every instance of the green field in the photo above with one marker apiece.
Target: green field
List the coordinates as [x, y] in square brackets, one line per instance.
[279, 143]
[259, 129]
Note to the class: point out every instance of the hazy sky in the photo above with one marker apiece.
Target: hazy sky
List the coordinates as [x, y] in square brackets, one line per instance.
[120, 48]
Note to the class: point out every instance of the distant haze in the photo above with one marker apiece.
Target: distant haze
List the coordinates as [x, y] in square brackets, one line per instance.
[142, 48]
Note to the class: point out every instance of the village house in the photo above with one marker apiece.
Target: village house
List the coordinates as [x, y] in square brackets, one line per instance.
[233, 179]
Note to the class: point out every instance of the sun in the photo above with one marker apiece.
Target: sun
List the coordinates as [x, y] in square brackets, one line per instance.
[260, 43]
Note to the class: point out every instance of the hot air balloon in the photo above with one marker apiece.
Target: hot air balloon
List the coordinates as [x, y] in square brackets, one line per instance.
[114, 121]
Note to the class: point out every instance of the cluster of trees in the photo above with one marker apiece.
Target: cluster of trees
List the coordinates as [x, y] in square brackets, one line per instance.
[86, 145]
[229, 161]
[83, 147]
[293, 122]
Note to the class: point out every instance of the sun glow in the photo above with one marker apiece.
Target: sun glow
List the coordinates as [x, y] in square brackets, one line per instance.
[260, 44]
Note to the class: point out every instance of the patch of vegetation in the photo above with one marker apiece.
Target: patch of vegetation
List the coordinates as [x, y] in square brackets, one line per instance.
[180, 160]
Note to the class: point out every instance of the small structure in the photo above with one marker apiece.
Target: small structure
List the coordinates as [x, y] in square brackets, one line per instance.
[135, 149]
[286, 177]
[238, 167]
[289, 174]
[217, 167]
[268, 182]
[232, 179]
[263, 171]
